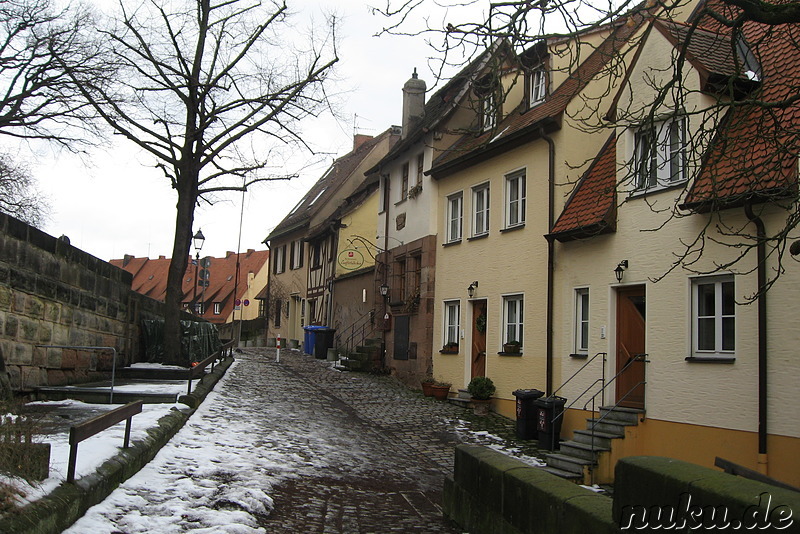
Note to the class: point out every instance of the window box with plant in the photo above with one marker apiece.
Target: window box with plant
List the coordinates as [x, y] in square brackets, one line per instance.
[450, 348]
[512, 347]
[481, 389]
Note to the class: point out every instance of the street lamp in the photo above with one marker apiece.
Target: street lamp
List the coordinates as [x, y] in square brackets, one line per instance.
[198, 239]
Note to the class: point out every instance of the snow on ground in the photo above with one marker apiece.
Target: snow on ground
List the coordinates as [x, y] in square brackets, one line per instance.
[214, 474]
[91, 452]
[487, 439]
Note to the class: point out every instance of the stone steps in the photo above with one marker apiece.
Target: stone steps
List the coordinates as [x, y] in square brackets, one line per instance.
[578, 456]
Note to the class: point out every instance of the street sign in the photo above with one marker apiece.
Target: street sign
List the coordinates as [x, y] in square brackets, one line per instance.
[202, 283]
[205, 263]
[238, 302]
[204, 274]
[246, 302]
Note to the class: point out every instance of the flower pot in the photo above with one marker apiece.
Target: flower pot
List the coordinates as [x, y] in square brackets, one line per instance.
[440, 392]
[427, 389]
[511, 348]
[481, 406]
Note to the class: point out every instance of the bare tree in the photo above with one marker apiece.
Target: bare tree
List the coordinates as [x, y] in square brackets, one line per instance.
[42, 51]
[742, 147]
[205, 87]
[18, 195]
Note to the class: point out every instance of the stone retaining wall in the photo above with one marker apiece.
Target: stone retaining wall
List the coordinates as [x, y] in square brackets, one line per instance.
[52, 293]
[491, 492]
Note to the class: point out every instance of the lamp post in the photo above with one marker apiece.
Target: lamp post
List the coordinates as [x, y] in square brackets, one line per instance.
[198, 239]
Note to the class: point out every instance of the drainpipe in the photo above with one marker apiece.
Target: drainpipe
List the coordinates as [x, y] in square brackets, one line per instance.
[762, 336]
[269, 307]
[386, 204]
[551, 180]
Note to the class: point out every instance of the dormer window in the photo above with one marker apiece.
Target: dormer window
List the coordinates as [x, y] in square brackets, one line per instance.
[660, 154]
[538, 86]
[489, 111]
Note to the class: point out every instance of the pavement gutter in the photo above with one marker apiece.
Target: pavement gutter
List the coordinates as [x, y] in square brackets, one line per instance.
[66, 504]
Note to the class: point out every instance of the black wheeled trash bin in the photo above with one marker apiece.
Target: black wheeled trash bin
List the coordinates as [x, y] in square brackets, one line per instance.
[549, 417]
[324, 341]
[310, 338]
[526, 412]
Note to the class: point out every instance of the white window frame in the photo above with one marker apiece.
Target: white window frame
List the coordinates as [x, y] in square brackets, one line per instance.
[515, 207]
[581, 341]
[513, 321]
[480, 195]
[452, 321]
[455, 217]
[538, 86]
[280, 259]
[489, 110]
[720, 320]
[217, 308]
[297, 254]
[659, 154]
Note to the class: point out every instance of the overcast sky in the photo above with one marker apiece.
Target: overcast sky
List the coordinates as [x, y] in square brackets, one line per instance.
[119, 204]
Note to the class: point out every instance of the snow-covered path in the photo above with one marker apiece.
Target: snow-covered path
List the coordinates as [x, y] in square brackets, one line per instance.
[265, 430]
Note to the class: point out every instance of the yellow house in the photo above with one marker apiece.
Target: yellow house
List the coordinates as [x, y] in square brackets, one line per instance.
[497, 199]
[662, 262]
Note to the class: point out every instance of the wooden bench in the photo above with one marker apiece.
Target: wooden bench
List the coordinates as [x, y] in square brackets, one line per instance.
[89, 428]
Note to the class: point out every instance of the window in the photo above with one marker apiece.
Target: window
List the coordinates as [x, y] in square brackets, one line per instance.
[385, 193]
[582, 321]
[316, 254]
[280, 260]
[414, 269]
[714, 316]
[538, 85]
[452, 317]
[489, 110]
[217, 308]
[262, 308]
[199, 308]
[455, 215]
[278, 310]
[399, 284]
[420, 165]
[296, 256]
[480, 210]
[404, 183]
[660, 154]
[512, 318]
[515, 199]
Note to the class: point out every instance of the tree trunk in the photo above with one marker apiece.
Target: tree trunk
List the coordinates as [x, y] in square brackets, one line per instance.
[187, 196]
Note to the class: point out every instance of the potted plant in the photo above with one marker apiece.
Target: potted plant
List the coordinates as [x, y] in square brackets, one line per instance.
[481, 389]
[426, 386]
[512, 347]
[450, 348]
[440, 390]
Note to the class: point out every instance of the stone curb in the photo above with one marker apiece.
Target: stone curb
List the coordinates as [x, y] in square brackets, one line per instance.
[68, 502]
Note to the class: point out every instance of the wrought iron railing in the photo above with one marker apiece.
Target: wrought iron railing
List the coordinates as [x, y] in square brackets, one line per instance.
[348, 338]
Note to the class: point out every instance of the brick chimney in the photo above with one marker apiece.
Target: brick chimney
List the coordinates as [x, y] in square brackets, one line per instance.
[360, 139]
[413, 102]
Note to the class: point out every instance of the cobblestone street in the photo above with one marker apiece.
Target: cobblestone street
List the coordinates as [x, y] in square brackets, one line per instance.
[323, 450]
[409, 440]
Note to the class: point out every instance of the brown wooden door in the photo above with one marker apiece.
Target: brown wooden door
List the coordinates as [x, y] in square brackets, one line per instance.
[478, 339]
[631, 313]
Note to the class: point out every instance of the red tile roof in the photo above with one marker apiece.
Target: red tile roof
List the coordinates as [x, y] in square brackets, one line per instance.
[591, 209]
[754, 155]
[518, 125]
[150, 278]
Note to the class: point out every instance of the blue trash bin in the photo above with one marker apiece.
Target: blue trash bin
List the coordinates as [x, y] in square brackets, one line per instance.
[310, 338]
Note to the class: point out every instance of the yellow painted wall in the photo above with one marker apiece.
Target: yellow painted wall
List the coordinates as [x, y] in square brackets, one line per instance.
[255, 283]
[359, 233]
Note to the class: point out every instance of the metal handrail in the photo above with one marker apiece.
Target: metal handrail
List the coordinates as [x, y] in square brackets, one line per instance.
[93, 348]
[602, 380]
[634, 358]
[358, 332]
